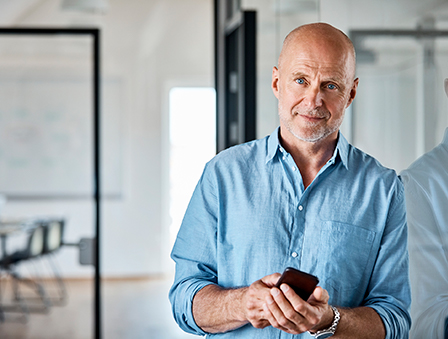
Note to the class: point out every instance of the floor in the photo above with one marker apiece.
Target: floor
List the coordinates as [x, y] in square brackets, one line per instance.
[135, 309]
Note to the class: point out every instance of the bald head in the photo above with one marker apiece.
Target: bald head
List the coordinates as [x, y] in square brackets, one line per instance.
[314, 84]
[320, 35]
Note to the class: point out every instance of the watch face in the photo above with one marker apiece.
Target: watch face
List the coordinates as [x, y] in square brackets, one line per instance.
[325, 335]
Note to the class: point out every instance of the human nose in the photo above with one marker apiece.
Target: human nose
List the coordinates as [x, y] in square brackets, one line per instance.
[313, 97]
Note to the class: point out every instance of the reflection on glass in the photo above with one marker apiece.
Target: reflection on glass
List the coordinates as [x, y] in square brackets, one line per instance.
[399, 111]
[426, 187]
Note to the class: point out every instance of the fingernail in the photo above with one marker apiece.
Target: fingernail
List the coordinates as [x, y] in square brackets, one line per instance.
[284, 287]
[275, 292]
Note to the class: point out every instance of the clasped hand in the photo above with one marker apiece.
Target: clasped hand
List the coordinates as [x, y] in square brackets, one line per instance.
[265, 305]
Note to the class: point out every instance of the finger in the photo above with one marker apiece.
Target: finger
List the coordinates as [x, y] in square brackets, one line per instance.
[319, 295]
[303, 314]
[324, 297]
[270, 307]
[285, 314]
[261, 323]
[271, 280]
[254, 300]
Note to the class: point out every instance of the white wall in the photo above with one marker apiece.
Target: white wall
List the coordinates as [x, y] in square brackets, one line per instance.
[147, 46]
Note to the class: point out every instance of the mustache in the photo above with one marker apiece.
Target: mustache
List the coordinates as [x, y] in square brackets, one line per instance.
[314, 113]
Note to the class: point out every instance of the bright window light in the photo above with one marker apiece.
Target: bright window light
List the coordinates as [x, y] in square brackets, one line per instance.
[192, 144]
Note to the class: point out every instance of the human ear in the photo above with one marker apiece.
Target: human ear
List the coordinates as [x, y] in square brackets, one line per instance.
[353, 92]
[274, 83]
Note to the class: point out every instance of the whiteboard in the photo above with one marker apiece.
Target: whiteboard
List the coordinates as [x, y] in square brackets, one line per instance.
[46, 136]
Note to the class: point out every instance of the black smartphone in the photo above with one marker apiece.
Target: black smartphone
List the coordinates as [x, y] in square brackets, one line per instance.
[302, 283]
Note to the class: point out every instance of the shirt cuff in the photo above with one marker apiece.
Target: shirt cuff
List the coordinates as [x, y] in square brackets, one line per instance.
[185, 318]
[396, 326]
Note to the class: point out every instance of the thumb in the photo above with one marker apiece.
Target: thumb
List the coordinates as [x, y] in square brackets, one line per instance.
[320, 295]
[271, 280]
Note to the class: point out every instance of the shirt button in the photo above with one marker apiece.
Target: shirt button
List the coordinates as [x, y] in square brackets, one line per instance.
[294, 168]
[300, 207]
[294, 254]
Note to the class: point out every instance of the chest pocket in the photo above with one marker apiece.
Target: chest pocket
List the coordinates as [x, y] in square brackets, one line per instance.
[345, 250]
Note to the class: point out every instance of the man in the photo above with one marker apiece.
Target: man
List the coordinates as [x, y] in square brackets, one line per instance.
[302, 197]
[426, 188]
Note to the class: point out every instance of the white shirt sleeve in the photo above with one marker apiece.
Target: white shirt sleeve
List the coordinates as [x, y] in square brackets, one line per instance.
[428, 263]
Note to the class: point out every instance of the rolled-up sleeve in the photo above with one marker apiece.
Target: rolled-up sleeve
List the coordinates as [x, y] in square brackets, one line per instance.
[195, 253]
[389, 289]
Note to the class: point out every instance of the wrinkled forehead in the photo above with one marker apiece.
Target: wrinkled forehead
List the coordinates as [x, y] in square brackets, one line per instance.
[317, 57]
[321, 43]
[313, 68]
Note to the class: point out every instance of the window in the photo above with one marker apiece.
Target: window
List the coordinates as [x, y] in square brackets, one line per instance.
[192, 128]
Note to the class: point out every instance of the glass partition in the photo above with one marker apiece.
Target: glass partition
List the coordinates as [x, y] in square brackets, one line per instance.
[401, 109]
[47, 172]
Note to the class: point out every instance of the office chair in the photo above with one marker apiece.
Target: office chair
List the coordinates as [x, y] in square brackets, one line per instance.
[53, 241]
[9, 264]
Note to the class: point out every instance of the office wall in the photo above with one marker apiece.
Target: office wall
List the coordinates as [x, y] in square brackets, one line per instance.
[147, 47]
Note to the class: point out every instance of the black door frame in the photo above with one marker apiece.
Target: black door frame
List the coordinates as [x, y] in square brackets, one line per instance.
[235, 74]
[95, 34]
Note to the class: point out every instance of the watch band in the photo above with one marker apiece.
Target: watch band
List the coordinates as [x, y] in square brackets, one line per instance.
[328, 332]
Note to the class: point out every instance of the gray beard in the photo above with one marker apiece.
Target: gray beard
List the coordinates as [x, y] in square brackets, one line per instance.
[317, 134]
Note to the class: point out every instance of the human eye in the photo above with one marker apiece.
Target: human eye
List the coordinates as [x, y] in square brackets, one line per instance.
[300, 81]
[332, 86]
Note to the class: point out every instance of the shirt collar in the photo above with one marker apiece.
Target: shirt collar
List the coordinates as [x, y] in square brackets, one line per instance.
[273, 144]
[342, 147]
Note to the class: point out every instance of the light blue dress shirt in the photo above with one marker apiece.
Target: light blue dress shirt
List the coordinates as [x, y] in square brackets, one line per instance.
[251, 216]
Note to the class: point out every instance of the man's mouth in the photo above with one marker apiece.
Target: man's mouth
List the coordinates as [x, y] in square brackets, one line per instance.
[311, 117]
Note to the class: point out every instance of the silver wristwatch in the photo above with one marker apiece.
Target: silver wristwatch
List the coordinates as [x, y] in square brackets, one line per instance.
[328, 332]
